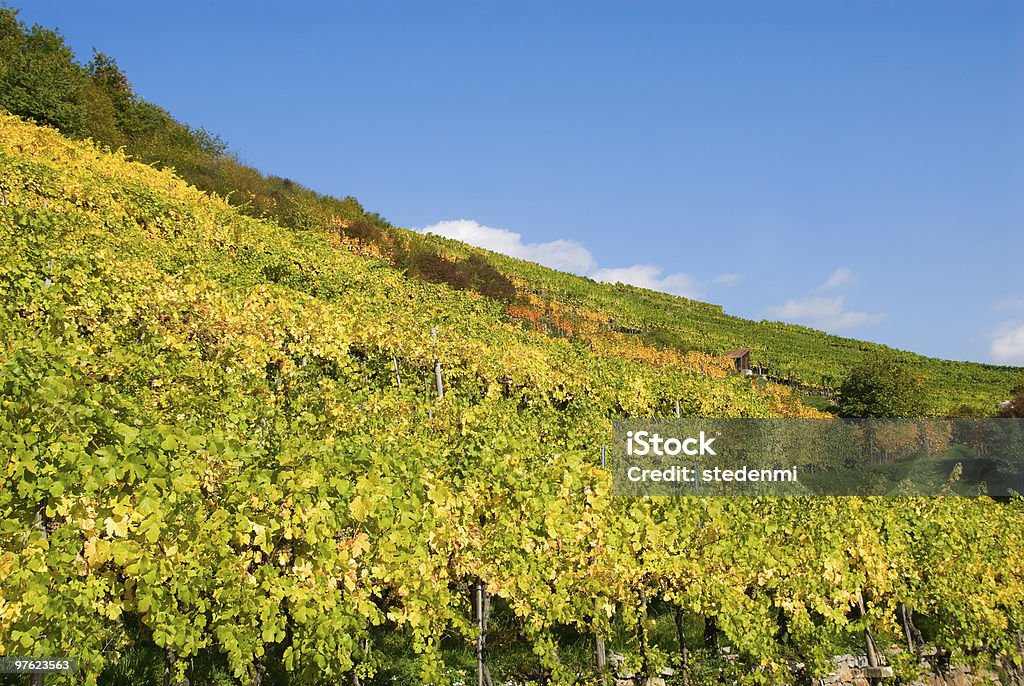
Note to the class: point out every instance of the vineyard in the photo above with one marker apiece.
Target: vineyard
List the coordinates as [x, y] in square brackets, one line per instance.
[794, 354]
[238, 450]
[40, 79]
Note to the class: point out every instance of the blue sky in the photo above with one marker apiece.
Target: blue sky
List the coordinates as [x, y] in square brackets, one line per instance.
[853, 166]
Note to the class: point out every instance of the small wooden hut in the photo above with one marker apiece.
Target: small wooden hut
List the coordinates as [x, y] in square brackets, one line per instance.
[740, 359]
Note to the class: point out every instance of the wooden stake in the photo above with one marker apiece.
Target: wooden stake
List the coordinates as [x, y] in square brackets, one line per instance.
[906, 627]
[437, 365]
[872, 650]
[602, 657]
[641, 636]
[681, 633]
[169, 659]
[480, 636]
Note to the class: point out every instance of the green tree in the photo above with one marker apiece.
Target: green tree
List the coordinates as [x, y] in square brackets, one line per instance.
[883, 387]
[38, 75]
[106, 74]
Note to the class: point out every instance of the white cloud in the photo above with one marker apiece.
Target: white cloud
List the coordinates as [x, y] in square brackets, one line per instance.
[569, 256]
[727, 279]
[649, 276]
[1008, 345]
[825, 313]
[842, 276]
[563, 255]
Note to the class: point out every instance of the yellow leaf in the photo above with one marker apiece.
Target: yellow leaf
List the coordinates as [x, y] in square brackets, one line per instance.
[360, 544]
[359, 507]
[116, 528]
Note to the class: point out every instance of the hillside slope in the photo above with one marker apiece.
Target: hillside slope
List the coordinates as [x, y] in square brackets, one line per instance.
[798, 355]
[39, 78]
[183, 386]
[152, 220]
[221, 443]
